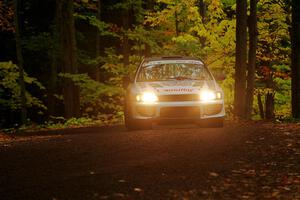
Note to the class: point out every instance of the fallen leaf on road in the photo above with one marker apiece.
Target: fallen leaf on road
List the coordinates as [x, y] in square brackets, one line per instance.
[119, 195]
[286, 133]
[275, 194]
[266, 187]
[246, 197]
[286, 188]
[214, 174]
[235, 171]
[250, 172]
[289, 145]
[137, 189]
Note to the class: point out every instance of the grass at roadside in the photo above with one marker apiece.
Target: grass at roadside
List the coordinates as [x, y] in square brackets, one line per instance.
[57, 123]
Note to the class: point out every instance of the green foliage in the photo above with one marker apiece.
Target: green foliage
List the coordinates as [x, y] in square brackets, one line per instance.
[95, 96]
[78, 121]
[273, 38]
[273, 55]
[228, 3]
[135, 6]
[283, 97]
[60, 122]
[40, 42]
[100, 25]
[10, 88]
[141, 36]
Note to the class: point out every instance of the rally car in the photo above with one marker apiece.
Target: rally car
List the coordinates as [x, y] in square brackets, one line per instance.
[175, 89]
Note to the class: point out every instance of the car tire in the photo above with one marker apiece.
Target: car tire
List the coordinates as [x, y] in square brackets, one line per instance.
[212, 123]
[135, 124]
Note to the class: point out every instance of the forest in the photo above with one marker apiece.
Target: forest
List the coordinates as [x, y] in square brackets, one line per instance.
[63, 61]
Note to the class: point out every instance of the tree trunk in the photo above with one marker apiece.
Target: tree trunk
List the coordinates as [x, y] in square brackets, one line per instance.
[260, 106]
[69, 58]
[202, 11]
[52, 88]
[269, 102]
[125, 42]
[20, 62]
[176, 24]
[52, 85]
[149, 7]
[97, 69]
[251, 58]
[295, 58]
[241, 57]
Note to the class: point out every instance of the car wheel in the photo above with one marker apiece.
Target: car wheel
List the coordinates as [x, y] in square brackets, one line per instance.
[212, 123]
[135, 124]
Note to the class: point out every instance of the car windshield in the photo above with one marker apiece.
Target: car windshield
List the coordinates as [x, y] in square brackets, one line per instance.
[173, 70]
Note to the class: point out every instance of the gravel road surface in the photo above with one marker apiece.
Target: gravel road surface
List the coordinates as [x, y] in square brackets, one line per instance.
[239, 161]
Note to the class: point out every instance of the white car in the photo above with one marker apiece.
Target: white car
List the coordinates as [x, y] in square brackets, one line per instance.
[173, 89]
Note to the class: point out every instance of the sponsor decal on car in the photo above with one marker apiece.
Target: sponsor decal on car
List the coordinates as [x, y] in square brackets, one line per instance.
[177, 90]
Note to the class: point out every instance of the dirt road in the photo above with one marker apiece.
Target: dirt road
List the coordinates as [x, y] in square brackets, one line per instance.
[239, 161]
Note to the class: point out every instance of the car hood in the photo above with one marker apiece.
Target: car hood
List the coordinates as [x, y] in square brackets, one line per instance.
[175, 87]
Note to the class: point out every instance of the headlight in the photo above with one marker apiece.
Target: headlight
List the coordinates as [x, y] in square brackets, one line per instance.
[208, 95]
[147, 97]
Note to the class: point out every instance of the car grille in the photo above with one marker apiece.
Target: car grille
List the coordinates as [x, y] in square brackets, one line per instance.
[180, 112]
[181, 97]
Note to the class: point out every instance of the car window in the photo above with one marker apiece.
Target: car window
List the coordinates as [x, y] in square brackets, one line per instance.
[173, 70]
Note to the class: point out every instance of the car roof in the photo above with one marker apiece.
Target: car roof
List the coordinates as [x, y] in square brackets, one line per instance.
[171, 58]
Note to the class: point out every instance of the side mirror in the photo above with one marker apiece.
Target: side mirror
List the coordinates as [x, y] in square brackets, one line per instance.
[126, 81]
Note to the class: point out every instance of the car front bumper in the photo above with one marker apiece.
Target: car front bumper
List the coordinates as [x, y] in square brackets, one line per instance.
[186, 110]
